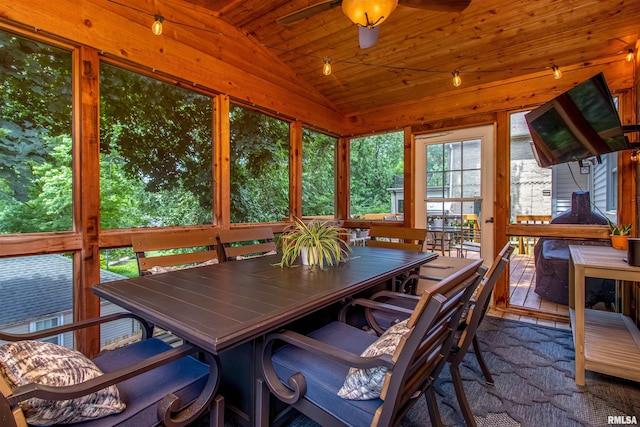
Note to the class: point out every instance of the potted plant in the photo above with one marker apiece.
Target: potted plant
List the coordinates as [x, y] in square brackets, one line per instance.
[318, 244]
[620, 235]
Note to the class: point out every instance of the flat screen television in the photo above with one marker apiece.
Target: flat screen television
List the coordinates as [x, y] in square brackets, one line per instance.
[579, 124]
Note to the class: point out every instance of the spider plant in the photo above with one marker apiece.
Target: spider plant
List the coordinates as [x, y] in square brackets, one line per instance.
[320, 240]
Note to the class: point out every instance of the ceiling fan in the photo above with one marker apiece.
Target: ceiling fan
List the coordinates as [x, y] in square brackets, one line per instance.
[368, 14]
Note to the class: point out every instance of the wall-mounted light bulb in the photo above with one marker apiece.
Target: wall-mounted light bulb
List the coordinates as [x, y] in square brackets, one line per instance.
[457, 81]
[556, 72]
[156, 27]
[326, 67]
[630, 55]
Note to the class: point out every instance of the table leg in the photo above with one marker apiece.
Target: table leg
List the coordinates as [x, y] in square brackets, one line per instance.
[579, 290]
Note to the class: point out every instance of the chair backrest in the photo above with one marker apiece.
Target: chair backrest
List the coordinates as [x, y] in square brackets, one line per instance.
[422, 353]
[202, 243]
[385, 236]
[247, 242]
[480, 303]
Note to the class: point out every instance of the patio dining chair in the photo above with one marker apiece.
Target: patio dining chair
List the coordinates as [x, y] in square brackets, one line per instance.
[380, 320]
[156, 251]
[245, 243]
[406, 238]
[144, 383]
[340, 375]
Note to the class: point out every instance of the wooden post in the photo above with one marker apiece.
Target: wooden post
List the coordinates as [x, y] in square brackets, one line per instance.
[86, 197]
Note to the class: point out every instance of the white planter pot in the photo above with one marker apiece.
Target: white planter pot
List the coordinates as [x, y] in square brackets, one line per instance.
[309, 257]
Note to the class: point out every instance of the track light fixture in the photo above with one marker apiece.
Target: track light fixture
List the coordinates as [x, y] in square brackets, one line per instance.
[156, 27]
[556, 72]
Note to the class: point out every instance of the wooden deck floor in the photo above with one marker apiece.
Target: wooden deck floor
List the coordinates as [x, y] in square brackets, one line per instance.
[522, 284]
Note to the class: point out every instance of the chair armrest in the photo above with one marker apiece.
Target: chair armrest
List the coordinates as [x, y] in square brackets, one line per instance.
[370, 305]
[169, 405]
[414, 277]
[297, 385]
[377, 305]
[393, 294]
[147, 328]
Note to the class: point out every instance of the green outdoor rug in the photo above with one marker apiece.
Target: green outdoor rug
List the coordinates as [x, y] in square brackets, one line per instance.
[533, 370]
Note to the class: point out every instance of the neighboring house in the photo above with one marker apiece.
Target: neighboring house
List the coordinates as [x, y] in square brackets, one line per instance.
[37, 293]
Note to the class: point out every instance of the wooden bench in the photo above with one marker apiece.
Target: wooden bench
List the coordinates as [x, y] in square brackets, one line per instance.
[195, 246]
[244, 243]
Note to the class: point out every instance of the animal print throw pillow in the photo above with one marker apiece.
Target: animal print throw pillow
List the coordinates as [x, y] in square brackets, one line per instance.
[366, 383]
[45, 363]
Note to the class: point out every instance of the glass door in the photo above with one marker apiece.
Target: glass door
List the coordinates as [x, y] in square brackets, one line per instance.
[454, 186]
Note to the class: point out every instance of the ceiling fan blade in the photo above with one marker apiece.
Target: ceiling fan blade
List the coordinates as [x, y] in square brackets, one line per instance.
[308, 12]
[368, 37]
[439, 5]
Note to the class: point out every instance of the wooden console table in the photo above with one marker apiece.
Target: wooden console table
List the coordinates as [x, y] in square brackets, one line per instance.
[604, 342]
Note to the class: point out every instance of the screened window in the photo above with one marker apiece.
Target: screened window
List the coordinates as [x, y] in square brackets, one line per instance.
[318, 174]
[35, 136]
[259, 166]
[37, 293]
[531, 185]
[377, 176]
[156, 162]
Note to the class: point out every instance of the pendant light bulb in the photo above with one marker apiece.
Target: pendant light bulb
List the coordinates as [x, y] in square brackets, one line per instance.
[556, 72]
[457, 81]
[630, 55]
[156, 27]
[326, 68]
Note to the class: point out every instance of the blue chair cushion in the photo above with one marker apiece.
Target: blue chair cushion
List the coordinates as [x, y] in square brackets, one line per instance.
[185, 378]
[325, 377]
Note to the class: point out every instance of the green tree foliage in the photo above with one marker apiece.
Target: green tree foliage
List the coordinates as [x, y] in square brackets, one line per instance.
[49, 204]
[160, 137]
[259, 167]
[35, 136]
[318, 173]
[375, 161]
[156, 152]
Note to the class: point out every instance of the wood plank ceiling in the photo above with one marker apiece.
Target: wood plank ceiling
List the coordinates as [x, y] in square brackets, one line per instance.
[489, 41]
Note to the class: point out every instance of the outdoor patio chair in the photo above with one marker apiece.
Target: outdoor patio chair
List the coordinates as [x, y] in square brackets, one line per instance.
[409, 239]
[405, 238]
[380, 320]
[466, 336]
[144, 383]
[340, 375]
[155, 250]
[245, 243]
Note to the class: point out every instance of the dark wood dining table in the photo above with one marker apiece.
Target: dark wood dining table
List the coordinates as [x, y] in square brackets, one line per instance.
[227, 308]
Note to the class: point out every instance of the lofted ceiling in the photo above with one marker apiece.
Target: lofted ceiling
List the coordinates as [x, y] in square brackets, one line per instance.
[417, 50]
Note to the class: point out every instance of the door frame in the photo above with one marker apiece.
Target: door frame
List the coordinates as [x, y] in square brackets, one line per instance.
[486, 134]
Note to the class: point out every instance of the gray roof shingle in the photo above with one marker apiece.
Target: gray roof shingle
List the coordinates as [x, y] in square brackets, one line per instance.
[35, 286]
